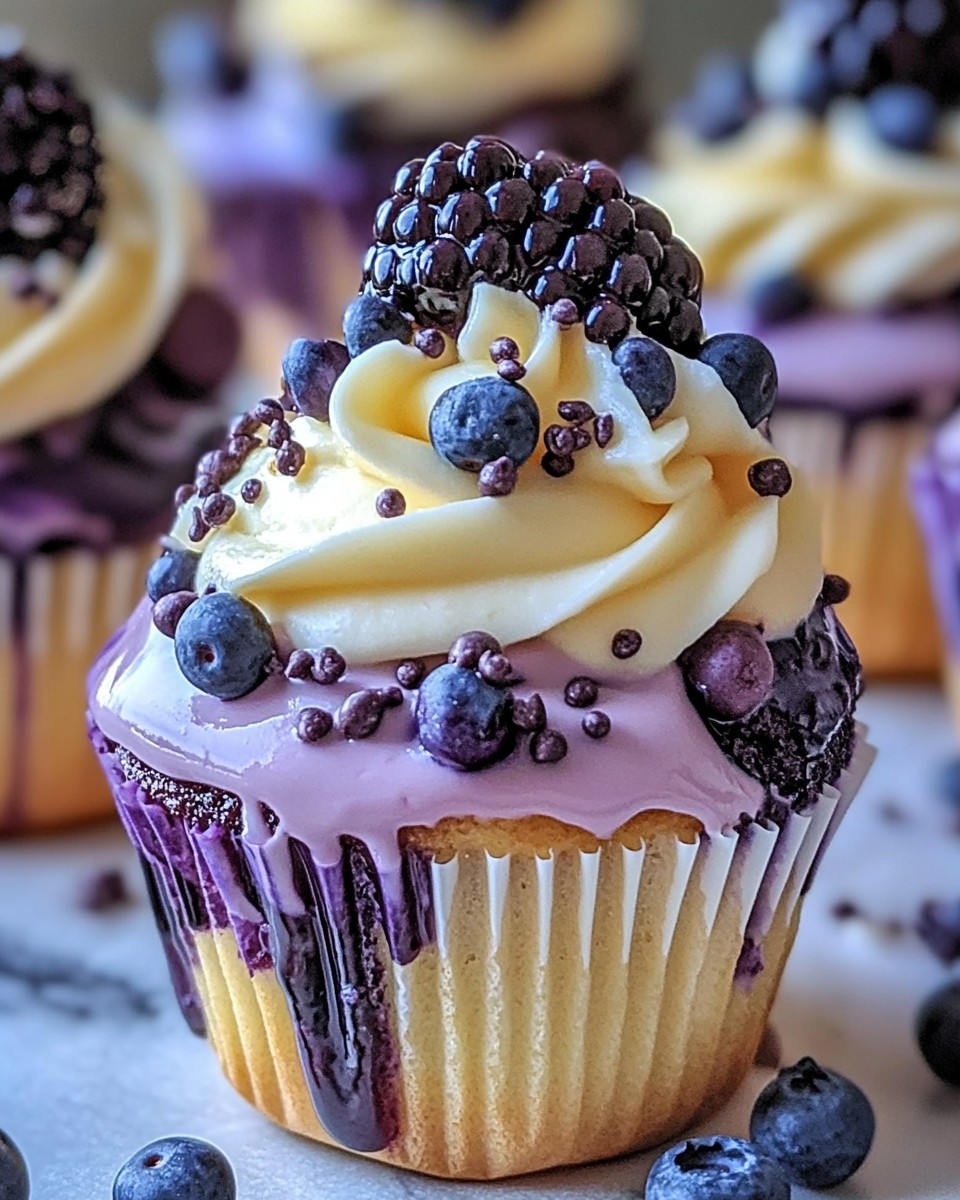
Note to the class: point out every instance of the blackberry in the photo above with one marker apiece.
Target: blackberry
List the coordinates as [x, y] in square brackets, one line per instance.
[50, 193]
[551, 229]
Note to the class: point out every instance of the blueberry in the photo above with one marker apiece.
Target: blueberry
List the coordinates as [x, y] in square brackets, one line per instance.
[182, 1167]
[949, 782]
[730, 669]
[174, 571]
[369, 321]
[463, 721]
[817, 1124]
[223, 645]
[481, 420]
[724, 98]
[309, 371]
[720, 1168]
[14, 1180]
[938, 1032]
[747, 370]
[648, 371]
[906, 117]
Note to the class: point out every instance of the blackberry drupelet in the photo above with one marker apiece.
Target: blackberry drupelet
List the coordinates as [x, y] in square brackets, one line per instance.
[50, 193]
[552, 229]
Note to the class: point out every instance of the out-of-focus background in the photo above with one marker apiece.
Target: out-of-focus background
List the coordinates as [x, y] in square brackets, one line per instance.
[114, 39]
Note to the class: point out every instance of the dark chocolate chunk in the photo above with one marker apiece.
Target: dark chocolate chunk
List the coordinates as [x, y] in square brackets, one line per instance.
[360, 714]
[581, 692]
[495, 668]
[596, 724]
[467, 650]
[410, 672]
[329, 665]
[548, 746]
[169, 609]
[770, 477]
[313, 724]
[530, 716]
[626, 643]
[497, 478]
[299, 665]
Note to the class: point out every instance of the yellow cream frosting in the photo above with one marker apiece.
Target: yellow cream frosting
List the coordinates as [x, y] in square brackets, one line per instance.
[57, 360]
[865, 224]
[420, 64]
[659, 531]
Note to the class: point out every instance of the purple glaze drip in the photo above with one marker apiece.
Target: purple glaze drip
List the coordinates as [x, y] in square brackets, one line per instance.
[317, 926]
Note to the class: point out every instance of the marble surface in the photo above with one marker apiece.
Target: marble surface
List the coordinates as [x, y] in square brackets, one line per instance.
[95, 1061]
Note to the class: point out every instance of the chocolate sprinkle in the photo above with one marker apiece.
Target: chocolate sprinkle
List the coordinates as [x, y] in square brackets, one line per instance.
[560, 440]
[198, 527]
[218, 508]
[280, 432]
[581, 692]
[835, 590]
[511, 370]
[468, 649]
[498, 478]
[530, 715]
[581, 439]
[495, 668]
[251, 490]
[557, 465]
[103, 891]
[299, 665]
[429, 342]
[392, 697]
[207, 485]
[410, 673]
[603, 429]
[504, 349]
[626, 643]
[596, 724]
[770, 477]
[313, 724]
[329, 666]
[391, 503]
[184, 493]
[549, 746]
[169, 609]
[577, 412]
[564, 312]
[360, 714]
[267, 412]
[290, 458]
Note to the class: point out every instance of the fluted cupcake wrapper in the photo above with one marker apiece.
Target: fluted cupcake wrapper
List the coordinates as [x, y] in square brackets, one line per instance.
[472, 1015]
[56, 612]
[860, 471]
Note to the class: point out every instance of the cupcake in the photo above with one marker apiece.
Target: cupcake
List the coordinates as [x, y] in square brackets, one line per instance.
[112, 350]
[296, 117]
[821, 186]
[480, 755]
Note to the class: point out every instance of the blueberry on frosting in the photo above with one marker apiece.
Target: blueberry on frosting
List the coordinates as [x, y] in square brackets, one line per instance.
[481, 420]
[647, 370]
[463, 721]
[223, 645]
[309, 371]
[748, 372]
[173, 571]
[369, 321]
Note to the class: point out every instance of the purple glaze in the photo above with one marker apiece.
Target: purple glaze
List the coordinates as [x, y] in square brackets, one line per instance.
[935, 487]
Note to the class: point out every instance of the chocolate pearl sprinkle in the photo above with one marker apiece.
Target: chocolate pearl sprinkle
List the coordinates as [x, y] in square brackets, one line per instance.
[245, 425]
[576, 411]
[268, 411]
[242, 445]
[329, 665]
[466, 651]
[581, 691]
[207, 485]
[185, 492]
[392, 697]
[429, 342]
[504, 349]
[581, 439]
[596, 724]
[626, 643]
[279, 433]
[391, 503]
[290, 458]
[511, 370]
[603, 429]
[497, 478]
[169, 609]
[556, 465]
[530, 716]
[410, 673]
[835, 590]
[251, 490]
[770, 477]
[548, 747]
[218, 509]
[565, 313]
[360, 714]
[559, 440]
[313, 724]
[299, 665]
[198, 527]
[495, 668]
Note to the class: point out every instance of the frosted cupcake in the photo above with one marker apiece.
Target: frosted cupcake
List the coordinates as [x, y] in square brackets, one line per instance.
[488, 729]
[295, 121]
[821, 186]
[110, 358]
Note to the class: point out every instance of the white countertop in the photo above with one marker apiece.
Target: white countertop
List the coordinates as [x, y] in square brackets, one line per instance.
[95, 1060]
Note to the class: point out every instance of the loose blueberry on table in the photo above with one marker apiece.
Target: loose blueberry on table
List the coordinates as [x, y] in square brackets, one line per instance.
[938, 1033]
[14, 1179]
[716, 1168]
[176, 1168]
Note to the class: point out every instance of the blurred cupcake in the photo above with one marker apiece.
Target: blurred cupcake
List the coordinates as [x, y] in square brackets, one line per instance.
[295, 120]
[110, 357]
[821, 186]
[481, 903]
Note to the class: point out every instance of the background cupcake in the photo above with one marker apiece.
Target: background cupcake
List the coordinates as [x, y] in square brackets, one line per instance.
[110, 358]
[296, 119]
[830, 165]
[479, 903]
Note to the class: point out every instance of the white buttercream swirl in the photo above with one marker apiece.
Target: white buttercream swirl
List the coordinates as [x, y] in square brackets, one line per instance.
[60, 359]
[659, 531]
[866, 225]
[418, 64]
